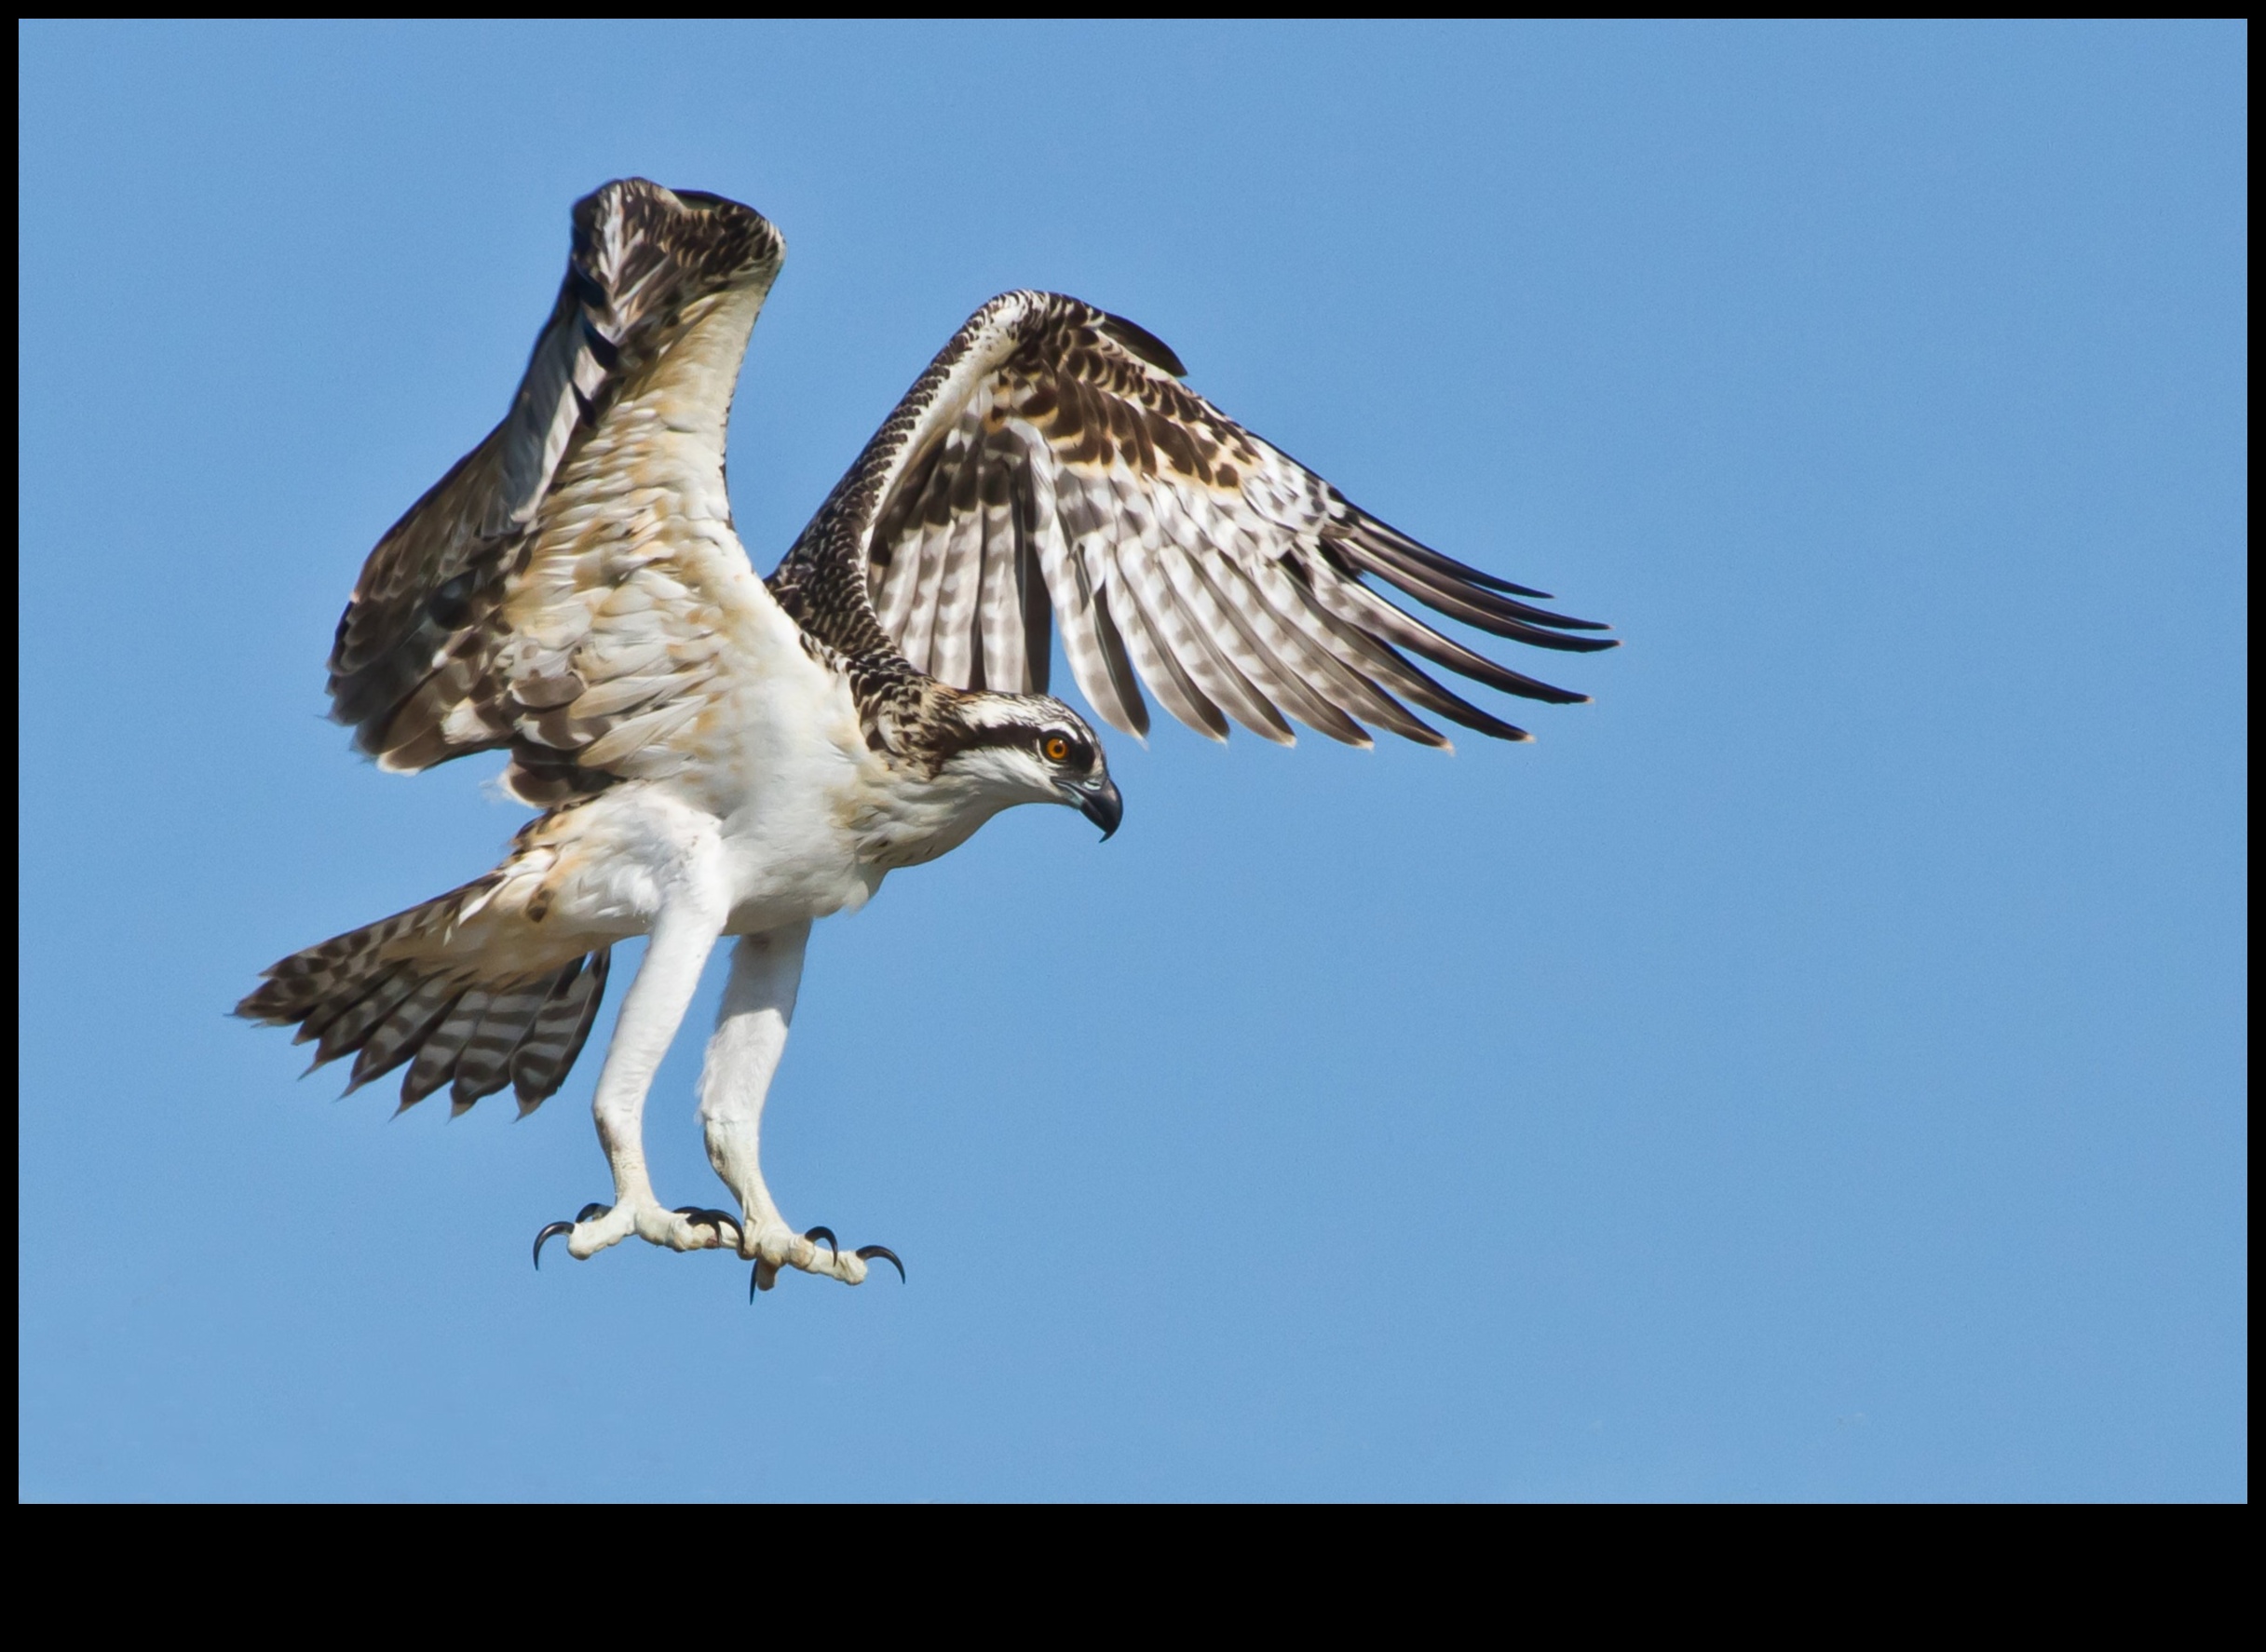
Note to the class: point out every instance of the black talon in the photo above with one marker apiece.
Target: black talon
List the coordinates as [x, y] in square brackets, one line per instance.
[756, 1280]
[545, 1237]
[815, 1233]
[719, 1220]
[582, 1215]
[867, 1253]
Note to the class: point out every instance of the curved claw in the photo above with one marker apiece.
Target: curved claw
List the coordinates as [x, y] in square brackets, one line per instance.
[550, 1233]
[592, 1209]
[867, 1253]
[719, 1220]
[815, 1233]
[765, 1275]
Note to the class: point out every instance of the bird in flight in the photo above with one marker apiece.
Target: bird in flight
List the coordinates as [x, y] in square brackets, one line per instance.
[722, 756]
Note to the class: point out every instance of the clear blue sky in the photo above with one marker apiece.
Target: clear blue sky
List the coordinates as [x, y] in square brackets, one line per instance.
[1817, 1070]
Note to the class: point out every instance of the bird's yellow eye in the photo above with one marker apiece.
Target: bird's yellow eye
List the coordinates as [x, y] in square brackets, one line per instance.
[1057, 750]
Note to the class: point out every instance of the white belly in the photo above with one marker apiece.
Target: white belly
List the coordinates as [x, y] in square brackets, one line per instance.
[782, 773]
[781, 796]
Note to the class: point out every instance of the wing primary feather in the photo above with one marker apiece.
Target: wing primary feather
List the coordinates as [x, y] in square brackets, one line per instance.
[1136, 551]
[1206, 658]
[1219, 641]
[1420, 552]
[1271, 647]
[1420, 690]
[1163, 670]
[1395, 674]
[1312, 636]
[1474, 608]
[1364, 607]
[1277, 657]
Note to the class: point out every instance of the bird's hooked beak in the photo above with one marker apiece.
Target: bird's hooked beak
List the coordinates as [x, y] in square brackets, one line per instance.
[1097, 800]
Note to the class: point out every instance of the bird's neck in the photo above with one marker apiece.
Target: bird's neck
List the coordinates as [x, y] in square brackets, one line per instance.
[909, 820]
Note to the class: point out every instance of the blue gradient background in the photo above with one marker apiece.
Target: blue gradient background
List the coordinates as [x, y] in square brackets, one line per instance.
[1817, 1070]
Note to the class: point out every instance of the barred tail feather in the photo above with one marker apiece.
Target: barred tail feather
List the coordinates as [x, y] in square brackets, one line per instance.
[399, 1037]
[435, 1063]
[539, 1063]
[454, 1021]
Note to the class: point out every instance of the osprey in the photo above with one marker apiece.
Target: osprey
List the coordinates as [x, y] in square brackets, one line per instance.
[723, 755]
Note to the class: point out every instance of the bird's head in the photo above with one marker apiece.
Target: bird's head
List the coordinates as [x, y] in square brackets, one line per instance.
[1028, 748]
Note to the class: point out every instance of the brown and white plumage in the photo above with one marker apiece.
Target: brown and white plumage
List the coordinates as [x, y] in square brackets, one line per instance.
[1051, 464]
[723, 755]
[568, 590]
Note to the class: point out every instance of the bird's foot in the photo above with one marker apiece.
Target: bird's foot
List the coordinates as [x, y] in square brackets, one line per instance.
[774, 1245]
[687, 1228]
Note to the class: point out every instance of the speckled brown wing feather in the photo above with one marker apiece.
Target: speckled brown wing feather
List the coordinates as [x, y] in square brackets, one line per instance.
[566, 589]
[1051, 468]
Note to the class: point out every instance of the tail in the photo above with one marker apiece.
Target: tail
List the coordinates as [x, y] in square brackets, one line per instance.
[390, 991]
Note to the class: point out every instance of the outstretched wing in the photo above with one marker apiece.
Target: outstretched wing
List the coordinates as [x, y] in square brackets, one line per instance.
[1050, 468]
[572, 588]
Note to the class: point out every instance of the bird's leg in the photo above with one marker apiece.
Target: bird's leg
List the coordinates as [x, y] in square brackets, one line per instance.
[735, 1077]
[751, 1035]
[691, 918]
